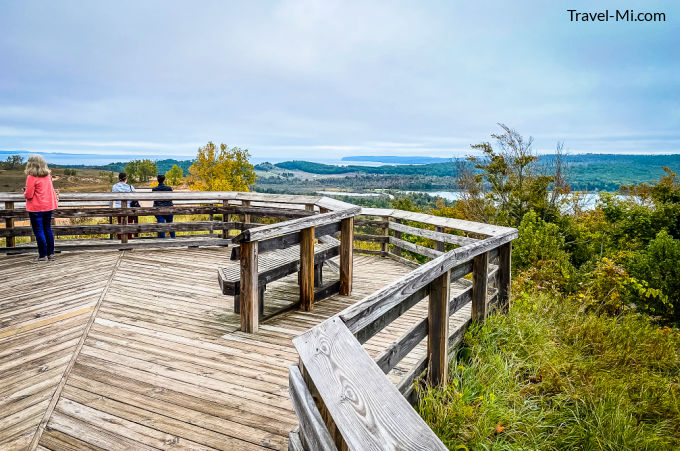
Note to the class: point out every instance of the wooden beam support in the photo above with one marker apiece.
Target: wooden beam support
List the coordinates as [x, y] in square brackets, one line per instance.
[124, 236]
[9, 224]
[438, 330]
[346, 255]
[249, 288]
[307, 269]
[386, 234]
[396, 250]
[480, 280]
[246, 216]
[504, 275]
[439, 245]
[225, 218]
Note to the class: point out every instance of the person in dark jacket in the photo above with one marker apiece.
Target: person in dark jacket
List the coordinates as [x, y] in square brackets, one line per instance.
[163, 203]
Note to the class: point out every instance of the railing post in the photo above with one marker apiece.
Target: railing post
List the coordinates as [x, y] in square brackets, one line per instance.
[480, 276]
[386, 234]
[438, 329]
[246, 216]
[439, 245]
[346, 255]
[225, 218]
[396, 250]
[9, 224]
[307, 269]
[249, 287]
[504, 270]
[124, 236]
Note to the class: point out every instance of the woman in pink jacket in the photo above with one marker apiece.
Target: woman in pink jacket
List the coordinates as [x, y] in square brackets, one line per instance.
[41, 200]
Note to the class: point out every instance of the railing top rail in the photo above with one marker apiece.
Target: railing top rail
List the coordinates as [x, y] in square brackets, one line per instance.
[458, 224]
[176, 195]
[368, 410]
[364, 312]
[295, 225]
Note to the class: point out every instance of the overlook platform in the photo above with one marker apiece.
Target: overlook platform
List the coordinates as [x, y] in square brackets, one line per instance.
[138, 349]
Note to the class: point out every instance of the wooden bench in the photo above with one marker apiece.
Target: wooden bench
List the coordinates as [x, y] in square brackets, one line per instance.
[272, 266]
[256, 243]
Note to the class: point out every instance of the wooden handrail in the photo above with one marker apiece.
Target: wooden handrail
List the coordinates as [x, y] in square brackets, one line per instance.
[370, 308]
[367, 410]
[177, 195]
[361, 408]
[295, 225]
[225, 203]
[441, 221]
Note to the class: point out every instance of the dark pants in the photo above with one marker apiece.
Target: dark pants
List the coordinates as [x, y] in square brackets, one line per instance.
[161, 219]
[41, 222]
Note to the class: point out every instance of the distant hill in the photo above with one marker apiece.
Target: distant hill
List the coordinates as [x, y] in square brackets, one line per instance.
[584, 172]
[397, 159]
[119, 166]
[432, 169]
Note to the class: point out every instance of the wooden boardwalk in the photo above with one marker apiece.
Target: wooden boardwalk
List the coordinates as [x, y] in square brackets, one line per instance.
[140, 350]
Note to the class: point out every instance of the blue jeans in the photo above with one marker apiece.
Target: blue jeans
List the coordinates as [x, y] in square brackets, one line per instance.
[41, 222]
[161, 219]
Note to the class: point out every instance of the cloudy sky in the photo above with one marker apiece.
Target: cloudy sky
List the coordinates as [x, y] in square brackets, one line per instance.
[325, 79]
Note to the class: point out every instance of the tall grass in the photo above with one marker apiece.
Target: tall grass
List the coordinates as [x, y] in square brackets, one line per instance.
[549, 376]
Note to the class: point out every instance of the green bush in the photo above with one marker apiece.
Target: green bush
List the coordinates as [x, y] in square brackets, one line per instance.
[538, 241]
[549, 376]
[657, 264]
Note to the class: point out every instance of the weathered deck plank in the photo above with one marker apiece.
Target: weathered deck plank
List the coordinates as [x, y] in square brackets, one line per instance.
[163, 363]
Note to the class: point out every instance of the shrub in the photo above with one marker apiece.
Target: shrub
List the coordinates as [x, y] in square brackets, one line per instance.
[538, 241]
[610, 289]
[549, 376]
[657, 264]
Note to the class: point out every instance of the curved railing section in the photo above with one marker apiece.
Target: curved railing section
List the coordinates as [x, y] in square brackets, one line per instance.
[342, 397]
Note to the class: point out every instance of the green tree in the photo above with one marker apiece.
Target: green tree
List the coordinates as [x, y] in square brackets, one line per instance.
[506, 182]
[221, 170]
[140, 170]
[174, 175]
[146, 170]
[131, 169]
[13, 162]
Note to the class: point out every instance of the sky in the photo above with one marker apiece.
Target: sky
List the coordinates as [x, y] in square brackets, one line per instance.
[319, 80]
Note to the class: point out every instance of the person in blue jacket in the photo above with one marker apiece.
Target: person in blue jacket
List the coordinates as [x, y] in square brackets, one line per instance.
[163, 203]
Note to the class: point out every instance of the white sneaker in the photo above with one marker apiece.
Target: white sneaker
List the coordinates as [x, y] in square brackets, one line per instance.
[50, 257]
[40, 260]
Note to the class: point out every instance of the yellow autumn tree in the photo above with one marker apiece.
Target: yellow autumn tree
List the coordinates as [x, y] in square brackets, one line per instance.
[222, 169]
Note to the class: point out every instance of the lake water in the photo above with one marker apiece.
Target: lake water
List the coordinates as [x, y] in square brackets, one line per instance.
[587, 201]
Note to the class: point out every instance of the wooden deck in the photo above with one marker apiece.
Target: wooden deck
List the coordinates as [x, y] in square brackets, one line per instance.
[140, 350]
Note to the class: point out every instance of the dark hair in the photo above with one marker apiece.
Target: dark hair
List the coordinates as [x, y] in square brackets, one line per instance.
[160, 178]
[122, 176]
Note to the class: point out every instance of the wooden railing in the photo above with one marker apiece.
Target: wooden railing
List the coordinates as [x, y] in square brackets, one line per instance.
[238, 210]
[342, 397]
[302, 231]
